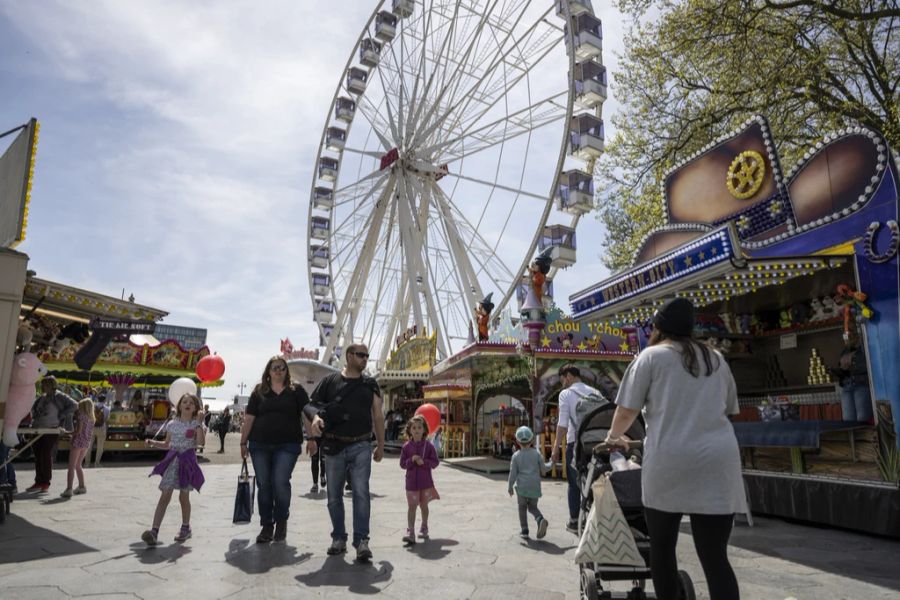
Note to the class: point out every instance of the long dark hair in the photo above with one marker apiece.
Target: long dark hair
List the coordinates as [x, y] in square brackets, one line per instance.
[689, 351]
[265, 386]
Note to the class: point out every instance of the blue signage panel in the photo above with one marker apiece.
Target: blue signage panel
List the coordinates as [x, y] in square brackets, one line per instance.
[705, 252]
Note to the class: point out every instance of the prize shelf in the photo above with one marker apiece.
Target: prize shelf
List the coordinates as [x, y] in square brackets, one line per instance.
[787, 388]
[818, 327]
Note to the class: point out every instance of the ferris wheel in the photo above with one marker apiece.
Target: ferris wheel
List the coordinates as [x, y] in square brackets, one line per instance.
[460, 139]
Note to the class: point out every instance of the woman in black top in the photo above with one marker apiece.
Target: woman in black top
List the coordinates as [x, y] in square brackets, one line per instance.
[273, 426]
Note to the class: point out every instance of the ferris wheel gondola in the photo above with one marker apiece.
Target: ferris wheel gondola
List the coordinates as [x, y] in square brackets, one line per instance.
[460, 139]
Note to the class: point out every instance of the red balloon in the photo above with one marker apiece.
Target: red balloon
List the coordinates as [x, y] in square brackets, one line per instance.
[432, 416]
[210, 368]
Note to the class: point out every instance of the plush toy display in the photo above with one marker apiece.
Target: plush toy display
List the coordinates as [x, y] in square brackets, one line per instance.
[784, 319]
[829, 307]
[27, 369]
[853, 305]
[800, 313]
[818, 311]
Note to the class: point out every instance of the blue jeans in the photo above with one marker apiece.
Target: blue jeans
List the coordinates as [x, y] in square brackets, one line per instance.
[273, 465]
[856, 403]
[7, 473]
[572, 479]
[354, 460]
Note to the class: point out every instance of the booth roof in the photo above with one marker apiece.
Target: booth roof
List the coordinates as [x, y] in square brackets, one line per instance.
[691, 272]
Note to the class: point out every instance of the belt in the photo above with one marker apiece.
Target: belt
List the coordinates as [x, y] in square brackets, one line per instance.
[344, 438]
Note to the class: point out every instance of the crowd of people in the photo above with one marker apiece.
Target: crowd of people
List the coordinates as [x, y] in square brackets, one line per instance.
[683, 388]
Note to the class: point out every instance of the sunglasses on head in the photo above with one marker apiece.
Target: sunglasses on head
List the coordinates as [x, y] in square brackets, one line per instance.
[278, 368]
[361, 354]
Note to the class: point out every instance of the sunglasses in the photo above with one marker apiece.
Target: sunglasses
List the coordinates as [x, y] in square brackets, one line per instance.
[278, 368]
[361, 354]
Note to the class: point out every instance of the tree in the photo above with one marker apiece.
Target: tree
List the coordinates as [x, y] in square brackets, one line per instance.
[702, 67]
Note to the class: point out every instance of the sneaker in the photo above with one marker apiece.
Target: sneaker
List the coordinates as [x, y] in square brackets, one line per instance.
[423, 532]
[314, 489]
[542, 528]
[572, 525]
[280, 532]
[362, 550]
[183, 534]
[149, 538]
[337, 547]
[67, 493]
[80, 490]
[35, 488]
[410, 537]
[265, 536]
[524, 534]
[322, 483]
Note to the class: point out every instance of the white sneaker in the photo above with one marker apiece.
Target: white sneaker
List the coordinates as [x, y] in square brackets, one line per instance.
[80, 490]
[67, 493]
[362, 550]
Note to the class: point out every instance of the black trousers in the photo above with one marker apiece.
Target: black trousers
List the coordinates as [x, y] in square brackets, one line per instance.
[711, 533]
[222, 434]
[44, 453]
[317, 464]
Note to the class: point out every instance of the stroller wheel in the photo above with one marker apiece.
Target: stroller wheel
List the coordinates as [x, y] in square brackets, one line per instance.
[687, 586]
[589, 589]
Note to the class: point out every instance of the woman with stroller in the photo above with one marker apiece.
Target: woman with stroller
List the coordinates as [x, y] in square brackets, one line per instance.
[691, 459]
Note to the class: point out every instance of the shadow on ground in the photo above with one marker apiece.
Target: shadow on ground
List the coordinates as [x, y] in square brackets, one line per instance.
[42, 543]
[432, 548]
[844, 553]
[259, 558]
[155, 555]
[357, 578]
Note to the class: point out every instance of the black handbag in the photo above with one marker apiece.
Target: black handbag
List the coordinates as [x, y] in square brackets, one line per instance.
[243, 499]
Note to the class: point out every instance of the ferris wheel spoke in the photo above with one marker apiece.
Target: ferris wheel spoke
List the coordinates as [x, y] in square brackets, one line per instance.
[379, 125]
[499, 87]
[492, 184]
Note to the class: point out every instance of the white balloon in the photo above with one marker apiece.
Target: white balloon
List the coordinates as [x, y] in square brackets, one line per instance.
[180, 387]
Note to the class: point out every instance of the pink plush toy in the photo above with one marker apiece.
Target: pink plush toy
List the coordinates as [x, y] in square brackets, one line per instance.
[27, 369]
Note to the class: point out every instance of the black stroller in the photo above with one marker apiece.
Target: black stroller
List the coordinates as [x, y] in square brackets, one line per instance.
[591, 461]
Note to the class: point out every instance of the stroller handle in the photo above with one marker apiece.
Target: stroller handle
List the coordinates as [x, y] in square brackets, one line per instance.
[604, 447]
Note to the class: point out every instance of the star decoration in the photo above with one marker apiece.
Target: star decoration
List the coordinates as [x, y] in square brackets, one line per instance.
[702, 255]
[687, 261]
[623, 346]
[545, 342]
[581, 346]
[743, 223]
[775, 208]
[714, 250]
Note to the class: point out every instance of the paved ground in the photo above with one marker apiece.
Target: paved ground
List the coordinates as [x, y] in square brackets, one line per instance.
[89, 546]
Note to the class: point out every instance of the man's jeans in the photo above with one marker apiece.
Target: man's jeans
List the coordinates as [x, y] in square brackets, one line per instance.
[354, 460]
[572, 480]
[856, 403]
[273, 465]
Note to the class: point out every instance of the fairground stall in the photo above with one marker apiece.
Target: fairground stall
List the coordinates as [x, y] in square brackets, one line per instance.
[134, 371]
[403, 378]
[490, 388]
[788, 271]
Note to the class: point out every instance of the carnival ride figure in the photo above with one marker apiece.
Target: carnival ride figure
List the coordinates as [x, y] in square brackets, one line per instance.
[483, 316]
[538, 270]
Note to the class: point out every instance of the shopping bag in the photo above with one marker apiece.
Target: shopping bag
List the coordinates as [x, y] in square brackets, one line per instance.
[243, 499]
[607, 537]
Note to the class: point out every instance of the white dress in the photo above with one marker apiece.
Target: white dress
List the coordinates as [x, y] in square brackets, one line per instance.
[692, 462]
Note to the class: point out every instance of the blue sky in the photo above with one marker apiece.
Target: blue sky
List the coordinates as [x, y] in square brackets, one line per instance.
[176, 153]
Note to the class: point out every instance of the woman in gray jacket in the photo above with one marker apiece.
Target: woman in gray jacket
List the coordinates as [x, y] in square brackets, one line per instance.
[52, 409]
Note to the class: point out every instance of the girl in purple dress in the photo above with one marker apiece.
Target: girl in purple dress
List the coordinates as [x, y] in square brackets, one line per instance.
[418, 457]
[81, 441]
[179, 468]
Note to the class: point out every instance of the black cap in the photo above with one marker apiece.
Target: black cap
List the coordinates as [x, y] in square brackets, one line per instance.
[675, 317]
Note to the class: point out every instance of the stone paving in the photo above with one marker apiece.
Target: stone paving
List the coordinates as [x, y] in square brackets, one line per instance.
[89, 546]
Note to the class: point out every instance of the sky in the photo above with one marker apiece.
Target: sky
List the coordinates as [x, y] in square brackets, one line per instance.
[176, 156]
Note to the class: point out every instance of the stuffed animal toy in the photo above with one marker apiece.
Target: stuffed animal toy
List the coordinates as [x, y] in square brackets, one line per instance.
[24, 336]
[800, 313]
[784, 319]
[725, 346]
[853, 306]
[818, 311]
[745, 321]
[829, 307]
[27, 369]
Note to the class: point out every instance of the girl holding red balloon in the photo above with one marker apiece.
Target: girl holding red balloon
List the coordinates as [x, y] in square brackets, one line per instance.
[418, 458]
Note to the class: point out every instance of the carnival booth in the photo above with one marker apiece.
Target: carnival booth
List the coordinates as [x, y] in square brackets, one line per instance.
[403, 378]
[795, 279]
[58, 323]
[490, 388]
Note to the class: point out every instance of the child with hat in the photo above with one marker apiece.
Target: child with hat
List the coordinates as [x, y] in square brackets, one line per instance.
[525, 471]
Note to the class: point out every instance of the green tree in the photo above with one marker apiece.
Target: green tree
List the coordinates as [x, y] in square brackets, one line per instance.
[700, 68]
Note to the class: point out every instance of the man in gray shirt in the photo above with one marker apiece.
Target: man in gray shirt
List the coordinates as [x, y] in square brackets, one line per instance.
[52, 410]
